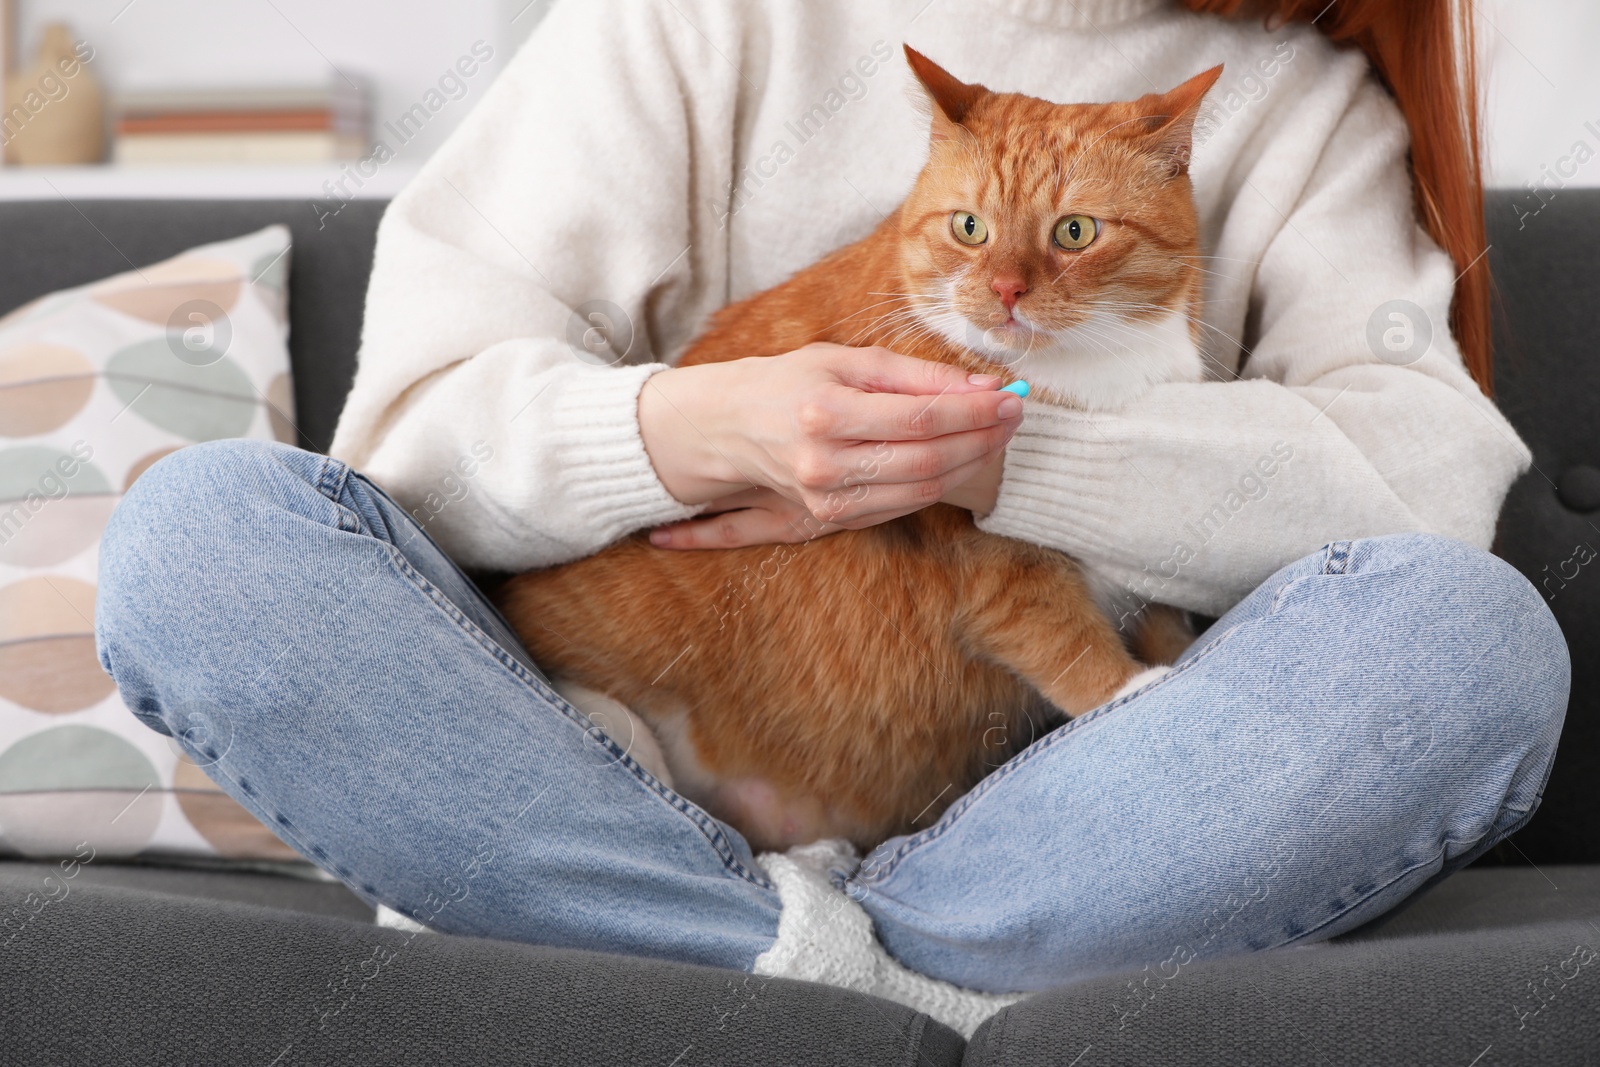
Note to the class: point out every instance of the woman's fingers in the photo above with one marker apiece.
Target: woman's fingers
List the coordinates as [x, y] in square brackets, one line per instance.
[731, 529]
[869, 503]
[876, 508]
[755, 496]
[879, 477]
[852, 415]
[748, 526]
[882, 370]
[820, 425]
[887, 396]
[913, 461]
[777, 520]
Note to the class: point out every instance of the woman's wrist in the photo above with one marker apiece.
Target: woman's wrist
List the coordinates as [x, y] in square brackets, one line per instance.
[684, 420]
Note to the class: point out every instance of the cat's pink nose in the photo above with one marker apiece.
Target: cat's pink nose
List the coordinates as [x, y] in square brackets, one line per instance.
[1010, 287]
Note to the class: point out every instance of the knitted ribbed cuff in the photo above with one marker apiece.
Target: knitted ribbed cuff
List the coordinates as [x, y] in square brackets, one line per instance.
[606, 475]
[1059, 484]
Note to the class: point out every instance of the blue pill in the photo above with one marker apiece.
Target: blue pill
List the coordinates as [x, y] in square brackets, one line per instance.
[1019, 387]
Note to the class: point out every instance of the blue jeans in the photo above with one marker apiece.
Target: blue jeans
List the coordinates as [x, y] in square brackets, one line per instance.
[1372, 717]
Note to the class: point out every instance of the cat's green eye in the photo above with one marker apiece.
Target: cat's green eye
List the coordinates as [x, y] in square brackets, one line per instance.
[968, 228]
[1076, 231]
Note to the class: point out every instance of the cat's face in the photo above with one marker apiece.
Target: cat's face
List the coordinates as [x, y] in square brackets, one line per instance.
[1057, 241]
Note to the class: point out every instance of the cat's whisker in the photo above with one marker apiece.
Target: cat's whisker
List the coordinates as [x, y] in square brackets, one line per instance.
[1223, 368]
[911, 331]
[1128, 305]
[1202, 270]
[892, 337]
[871, 323]
[1102, 343]
[886, 321]
[1228, 259]
[1032, 335]
[898, 311]
[892, 320]
[862, 311]
[882, 321]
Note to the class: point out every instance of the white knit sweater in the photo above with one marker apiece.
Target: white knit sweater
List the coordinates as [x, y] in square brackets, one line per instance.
[667, 156]
[598, 168]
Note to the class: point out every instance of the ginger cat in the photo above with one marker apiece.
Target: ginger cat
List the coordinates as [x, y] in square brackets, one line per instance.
[856, 684]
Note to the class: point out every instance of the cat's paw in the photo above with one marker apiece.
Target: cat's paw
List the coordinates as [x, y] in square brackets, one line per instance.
[1139, 681]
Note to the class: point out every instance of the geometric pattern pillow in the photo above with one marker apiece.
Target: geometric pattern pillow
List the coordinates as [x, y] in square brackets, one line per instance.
[96, 384]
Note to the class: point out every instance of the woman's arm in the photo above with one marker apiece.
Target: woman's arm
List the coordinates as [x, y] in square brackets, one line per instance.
[1197, 493]
[565, 240]
[524, 287]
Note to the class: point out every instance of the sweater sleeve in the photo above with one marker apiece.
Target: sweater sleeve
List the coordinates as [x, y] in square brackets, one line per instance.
[533, 276]
[1197, 493]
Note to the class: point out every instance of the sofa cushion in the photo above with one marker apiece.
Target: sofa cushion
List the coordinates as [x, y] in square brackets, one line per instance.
[97, 383]
[117, 975]
[52, 244]
[1492, 966]
[295, 887]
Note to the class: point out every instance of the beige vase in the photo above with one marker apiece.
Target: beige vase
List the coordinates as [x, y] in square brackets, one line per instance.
[54, 107]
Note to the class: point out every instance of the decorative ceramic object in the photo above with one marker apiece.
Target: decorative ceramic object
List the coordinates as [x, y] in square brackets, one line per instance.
[54, 107]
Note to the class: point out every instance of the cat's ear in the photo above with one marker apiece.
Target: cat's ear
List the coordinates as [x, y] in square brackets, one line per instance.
[951, 98]
[1171, 116]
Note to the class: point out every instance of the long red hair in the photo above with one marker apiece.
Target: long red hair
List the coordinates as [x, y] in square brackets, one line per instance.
[1424, 52]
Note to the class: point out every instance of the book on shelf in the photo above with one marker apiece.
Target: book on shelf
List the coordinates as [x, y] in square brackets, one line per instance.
[282, 124]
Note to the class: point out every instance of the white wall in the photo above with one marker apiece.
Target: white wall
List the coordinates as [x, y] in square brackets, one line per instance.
[1542, 58]
[1543, 86]
[400, 46]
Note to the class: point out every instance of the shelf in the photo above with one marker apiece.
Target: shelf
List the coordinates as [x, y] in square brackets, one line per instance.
[214, 182]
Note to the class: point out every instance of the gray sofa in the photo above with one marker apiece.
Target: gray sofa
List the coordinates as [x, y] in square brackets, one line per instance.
[1496, 965]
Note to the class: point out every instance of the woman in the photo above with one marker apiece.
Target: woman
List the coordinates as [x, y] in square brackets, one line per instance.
[1378, 704]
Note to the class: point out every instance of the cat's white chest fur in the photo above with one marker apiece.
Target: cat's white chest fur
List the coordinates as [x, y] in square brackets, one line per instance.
[1109, 361]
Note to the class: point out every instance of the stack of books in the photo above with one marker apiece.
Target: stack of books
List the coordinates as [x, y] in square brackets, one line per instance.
[309, 124]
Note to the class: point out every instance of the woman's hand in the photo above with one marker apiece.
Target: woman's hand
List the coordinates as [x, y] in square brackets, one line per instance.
[762, 517]
[849, 437]
[753, 517]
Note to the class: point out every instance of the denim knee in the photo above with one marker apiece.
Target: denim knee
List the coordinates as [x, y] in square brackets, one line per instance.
[1488, 692]
[1496, 616]
[213, 479]
[152, 530]
[184, 521]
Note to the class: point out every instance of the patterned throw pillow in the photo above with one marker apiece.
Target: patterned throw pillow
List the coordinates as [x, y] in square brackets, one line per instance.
[96, 384]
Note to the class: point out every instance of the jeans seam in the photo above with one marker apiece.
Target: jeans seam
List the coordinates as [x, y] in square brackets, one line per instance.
[702, 821]
[275, 821]
[1347, 909]
[1488, 835]
[331, 483]
[1336, 557]
[1335, 560]
[881, 873]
